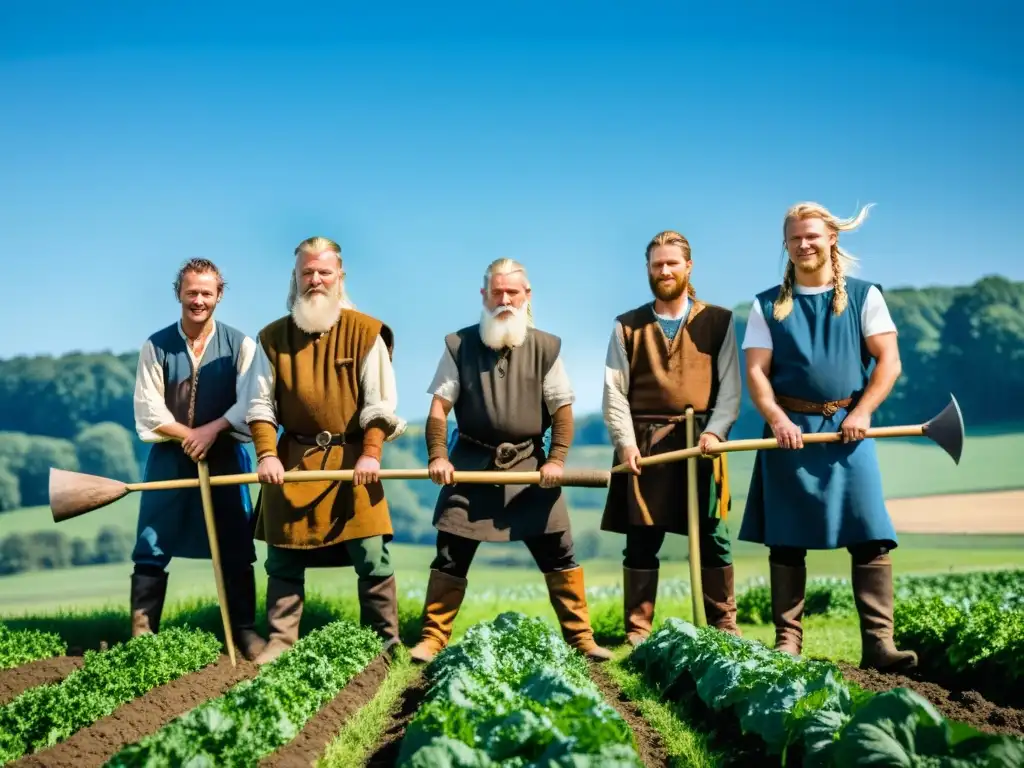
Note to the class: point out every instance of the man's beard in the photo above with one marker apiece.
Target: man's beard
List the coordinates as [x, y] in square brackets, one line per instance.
[500, 332]
[668, 289]
[813, 266]
[317, 310]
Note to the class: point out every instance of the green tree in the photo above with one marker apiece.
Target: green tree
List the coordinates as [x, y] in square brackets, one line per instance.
[10, 494]
[106, 449]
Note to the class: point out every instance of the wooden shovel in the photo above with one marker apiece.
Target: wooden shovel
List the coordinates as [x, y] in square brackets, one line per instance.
[693, 525]
[75, 493]
[946, 429]
[211, 532]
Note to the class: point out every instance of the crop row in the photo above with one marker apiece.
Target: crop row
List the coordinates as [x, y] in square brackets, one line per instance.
[979, 644]
[21, 647]
[804, 710]
[258, 716]
[45, 715]
[511, 692]
[833, 596]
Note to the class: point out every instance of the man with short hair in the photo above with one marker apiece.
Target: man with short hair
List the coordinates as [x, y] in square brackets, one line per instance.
[323, 373]
[810, 343]
[667, 354]
[507, 384]
[190, 405]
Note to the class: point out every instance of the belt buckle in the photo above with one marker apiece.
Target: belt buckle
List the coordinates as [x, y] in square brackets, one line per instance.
[504, 453]
[323, 439]
[830, 409]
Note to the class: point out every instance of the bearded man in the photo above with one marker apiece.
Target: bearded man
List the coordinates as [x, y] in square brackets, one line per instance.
[810, 343]
[323, 374]
[507, 383]
[190, 405]
[663, 356]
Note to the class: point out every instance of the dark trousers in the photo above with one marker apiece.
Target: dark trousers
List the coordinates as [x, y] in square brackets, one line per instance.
[794, 557]
[643, 543]
[551, 551]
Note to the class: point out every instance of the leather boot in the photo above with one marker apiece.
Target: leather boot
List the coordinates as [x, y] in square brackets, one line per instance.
[378, 609]
[147, 602]
[569, 599]
[788, 588]
[873, 594]
[639, 594]
[284, 613]
[441, 606]
[720, 598]
[240, 585]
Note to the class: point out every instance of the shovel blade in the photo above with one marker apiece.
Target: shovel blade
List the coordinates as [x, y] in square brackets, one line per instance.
[74, 493]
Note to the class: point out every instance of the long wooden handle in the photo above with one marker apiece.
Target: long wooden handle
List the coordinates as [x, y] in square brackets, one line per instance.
[218, 573]
[586, 478]
[768, 443]
[693, 526]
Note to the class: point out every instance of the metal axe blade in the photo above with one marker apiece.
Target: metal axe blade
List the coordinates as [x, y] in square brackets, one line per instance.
[946, 429]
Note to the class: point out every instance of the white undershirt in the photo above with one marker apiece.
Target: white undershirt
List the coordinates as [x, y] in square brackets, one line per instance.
[874, 318]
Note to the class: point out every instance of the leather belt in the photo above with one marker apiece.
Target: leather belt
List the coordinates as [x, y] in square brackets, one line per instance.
[806, 406]
[324, 438]
[505, 454]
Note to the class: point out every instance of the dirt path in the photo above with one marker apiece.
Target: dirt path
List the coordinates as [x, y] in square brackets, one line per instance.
[995, 512]
[649, 745]
[321, 729]
[95, 745]
[963, 706]
[385, 755]
[14, 682]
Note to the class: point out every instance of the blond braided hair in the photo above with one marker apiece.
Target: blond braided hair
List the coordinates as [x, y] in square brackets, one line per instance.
[842, 261]
[506, 266]
[670, 237]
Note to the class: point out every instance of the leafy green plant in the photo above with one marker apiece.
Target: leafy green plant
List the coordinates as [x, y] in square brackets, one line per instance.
[46, 715]
[260, 715]
[512, 693]
[21, 647]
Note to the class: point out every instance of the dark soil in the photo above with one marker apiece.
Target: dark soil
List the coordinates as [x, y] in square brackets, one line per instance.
[95, 745]
[321, 729]
[968, 707]
[648, 740]
[14, 682]
[390, 744]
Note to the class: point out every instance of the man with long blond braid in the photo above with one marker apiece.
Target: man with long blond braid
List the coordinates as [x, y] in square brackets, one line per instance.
[507, 384]
[810, 343]
[323, 373]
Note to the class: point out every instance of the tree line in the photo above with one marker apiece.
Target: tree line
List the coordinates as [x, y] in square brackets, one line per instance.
[74, 411]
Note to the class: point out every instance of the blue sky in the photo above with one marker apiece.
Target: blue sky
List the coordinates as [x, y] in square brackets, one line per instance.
[429, 142]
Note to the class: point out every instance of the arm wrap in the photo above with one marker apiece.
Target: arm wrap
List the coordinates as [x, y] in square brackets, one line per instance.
[561, 434]
[264, 438]
[373, 441]
[436, 433]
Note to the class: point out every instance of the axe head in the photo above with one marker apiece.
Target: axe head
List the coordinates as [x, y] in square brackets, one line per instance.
[946, 429]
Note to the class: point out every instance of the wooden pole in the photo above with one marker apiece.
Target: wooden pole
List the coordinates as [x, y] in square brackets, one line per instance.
[693, 524]
[211, 532]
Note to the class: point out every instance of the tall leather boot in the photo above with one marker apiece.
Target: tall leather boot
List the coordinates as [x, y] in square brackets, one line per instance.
[788, 591]
[443, 600]
[284, 613]
[873, 594]
[378, 609]
[720, 598]
[240, 585]
[147, 602]
[639, 594]
[569, 599]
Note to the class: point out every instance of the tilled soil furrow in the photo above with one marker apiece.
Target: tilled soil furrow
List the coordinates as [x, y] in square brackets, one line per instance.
[649, 744]
[321, 729]
[968, 707]
[14, 682]
[385, 754]
[95, 745]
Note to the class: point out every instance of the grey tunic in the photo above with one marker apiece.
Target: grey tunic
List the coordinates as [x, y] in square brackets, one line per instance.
[503, 398]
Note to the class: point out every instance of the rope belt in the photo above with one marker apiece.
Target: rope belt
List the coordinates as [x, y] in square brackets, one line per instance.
[505, 455]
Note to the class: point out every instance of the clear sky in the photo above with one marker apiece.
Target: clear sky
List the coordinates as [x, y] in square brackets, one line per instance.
[430, 139]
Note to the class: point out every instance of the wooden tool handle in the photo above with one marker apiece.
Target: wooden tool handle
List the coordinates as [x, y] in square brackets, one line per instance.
[586, 478]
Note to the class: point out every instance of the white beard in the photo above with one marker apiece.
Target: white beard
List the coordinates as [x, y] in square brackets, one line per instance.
[498, 333]
[318, 312]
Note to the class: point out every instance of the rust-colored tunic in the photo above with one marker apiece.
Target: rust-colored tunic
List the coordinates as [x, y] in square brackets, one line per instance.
[316, 388]
[665, 378]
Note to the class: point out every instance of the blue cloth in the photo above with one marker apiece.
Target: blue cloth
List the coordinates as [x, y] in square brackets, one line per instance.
[825, 496]
[171, 523]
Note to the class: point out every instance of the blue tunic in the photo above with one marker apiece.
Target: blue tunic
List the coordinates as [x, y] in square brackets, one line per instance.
[824, 496]
[171, 523]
